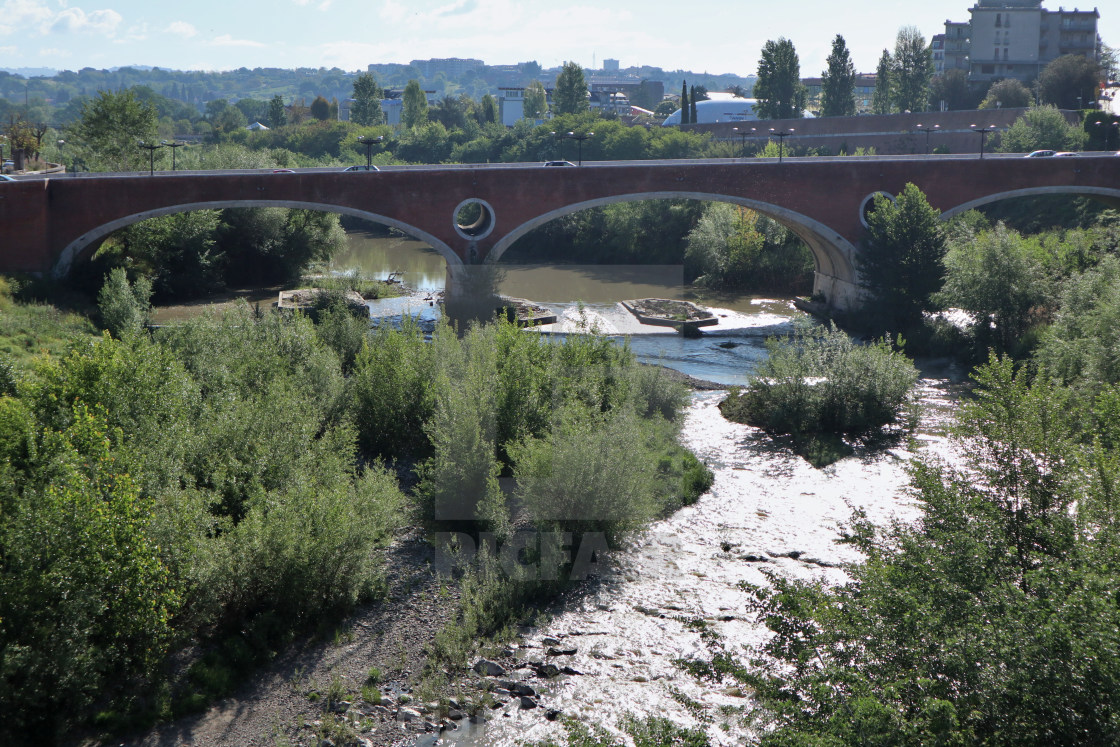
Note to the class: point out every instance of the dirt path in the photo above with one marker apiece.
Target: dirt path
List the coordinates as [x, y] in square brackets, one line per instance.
[274, 708]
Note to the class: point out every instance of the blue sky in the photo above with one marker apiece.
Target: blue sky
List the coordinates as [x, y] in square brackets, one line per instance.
[715, 36]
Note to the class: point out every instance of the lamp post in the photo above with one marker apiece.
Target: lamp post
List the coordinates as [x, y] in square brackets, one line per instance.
[983, 135]
[928, 131]
[1106, 134]
[560, 138]
[743, 139]
[579, 139]
[369, 143]
[151, 148]
[781, 140]
[173, 145]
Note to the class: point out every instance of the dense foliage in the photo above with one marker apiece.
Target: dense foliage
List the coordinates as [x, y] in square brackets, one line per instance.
[779, 90]
[901, 262]
[220, 483]
[821, 381]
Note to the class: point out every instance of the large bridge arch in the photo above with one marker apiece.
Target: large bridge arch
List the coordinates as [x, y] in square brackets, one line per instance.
[76, 248]
[1109, 194]
[834, 256]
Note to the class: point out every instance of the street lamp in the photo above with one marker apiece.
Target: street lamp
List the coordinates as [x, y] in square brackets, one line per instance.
[928, 131]
[579, 139]
[369, 143]
[151, 148]
[781, 140]
[743, 139]
[983, 135]
[173, 145]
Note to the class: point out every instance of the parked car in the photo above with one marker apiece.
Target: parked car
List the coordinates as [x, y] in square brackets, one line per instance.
[558, 163]
[1041, 154]
[362, 168]
[7, 165]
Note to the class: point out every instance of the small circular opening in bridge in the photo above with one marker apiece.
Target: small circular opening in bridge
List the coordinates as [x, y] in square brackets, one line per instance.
[474, 219]
[868, 205]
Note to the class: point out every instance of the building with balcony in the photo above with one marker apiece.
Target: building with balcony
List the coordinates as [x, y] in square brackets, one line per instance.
[1015, 39]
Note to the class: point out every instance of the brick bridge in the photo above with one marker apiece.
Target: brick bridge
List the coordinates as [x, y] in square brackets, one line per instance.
[48, 224]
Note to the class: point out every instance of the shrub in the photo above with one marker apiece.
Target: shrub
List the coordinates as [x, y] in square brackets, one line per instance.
[820, 381]
[590, 473]
[85, 601]
[390, 394]
[124, 307]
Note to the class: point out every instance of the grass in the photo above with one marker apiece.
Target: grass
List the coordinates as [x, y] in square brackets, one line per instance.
[33, 330]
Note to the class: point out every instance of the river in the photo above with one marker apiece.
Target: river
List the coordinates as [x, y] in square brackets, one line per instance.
[767, 509]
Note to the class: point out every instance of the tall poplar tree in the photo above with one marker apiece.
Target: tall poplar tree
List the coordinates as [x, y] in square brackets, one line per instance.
[912, 70]
[414, 107]
[778, 89]
[692, 105]
[685, 109]
[277, 115]
[881, 98]
[535, 105]
[366, 110]
[570, 96]
[838, 83]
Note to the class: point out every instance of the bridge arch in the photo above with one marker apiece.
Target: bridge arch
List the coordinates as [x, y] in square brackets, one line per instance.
[833, 255]
[1112, 196]
[77, 247]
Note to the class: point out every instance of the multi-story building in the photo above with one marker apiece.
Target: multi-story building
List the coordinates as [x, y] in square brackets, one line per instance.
[452, 67]
[1016, 39]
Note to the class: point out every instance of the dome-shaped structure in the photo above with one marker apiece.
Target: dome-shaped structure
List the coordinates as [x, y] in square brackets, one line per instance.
[720, 107]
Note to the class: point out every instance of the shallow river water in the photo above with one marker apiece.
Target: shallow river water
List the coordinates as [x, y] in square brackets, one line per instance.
[768, 509]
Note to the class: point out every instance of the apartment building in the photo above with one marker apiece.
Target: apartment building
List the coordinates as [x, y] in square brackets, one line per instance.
[1015, 39]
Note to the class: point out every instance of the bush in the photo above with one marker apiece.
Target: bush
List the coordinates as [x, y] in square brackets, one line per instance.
[820, 381]
[85, 601]
[125, 308]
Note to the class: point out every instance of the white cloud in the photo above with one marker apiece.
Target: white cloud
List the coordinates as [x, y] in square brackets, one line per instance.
[23, 14]
[181, 28]
[225, 40]
[54, 53]
[75, 19]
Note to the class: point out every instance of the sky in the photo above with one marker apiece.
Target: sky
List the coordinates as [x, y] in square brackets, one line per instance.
[704, 36]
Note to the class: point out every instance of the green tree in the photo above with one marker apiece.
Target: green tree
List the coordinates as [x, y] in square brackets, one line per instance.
[86, 602]
[912, 70]
[414, 109]
[488, 110]
[110, 126]
[838, 82]
[1041, 127]
[320, 108]
[692, 99]
[900, 263]
[277, 115]
[125, 308]
[366, 109]
[685, 108]
[1008, 93]
[1069, 82]
[952, 90]
[535, 105]
[778, 89]
[570, 95]
[994, 276]
[881, 98]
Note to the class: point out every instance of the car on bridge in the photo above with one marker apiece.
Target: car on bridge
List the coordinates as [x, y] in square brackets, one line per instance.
[1041, 154]
[371, 167]
[558, 163]
[1066, 154]
[6, 178]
